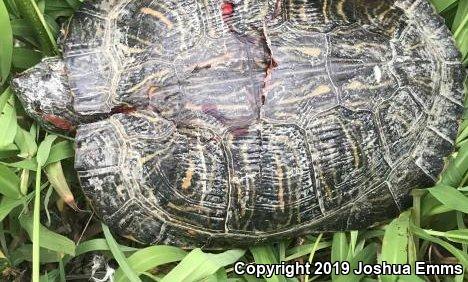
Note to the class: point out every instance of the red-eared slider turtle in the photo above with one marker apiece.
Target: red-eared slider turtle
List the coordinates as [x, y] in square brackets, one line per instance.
[218, 123]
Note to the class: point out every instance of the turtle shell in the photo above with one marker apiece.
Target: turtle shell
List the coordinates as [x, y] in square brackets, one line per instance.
[234, 123]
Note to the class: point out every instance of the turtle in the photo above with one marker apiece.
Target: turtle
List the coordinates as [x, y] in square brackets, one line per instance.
[215, 123]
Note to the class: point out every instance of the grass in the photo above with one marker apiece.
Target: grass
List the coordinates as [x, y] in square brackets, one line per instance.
[45, 237]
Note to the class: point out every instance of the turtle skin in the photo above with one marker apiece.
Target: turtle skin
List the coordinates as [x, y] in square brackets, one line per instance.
[255, 121]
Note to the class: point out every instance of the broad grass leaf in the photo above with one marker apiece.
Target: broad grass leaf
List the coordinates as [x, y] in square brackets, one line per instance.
[8, 124]
[462, 43]
[459, 254]
[251, 278]
[352, 242]
[266, 255]
[94, 245]
[35, 18]
[457, 168]
[65, 8]
[48, 239]
[442, 5]
[366, 256]
[50, 276]
[395, 240]
[99, 245]
[302, 250]
[6, 43]
[24, 253]
[151, 257]
[60, 151]
[44, 149]
[26, 143]
[430, 206]
[458, 236]
[119, 256]
[8, 204]
[24, 164]
[9, 183]
[450, 197]
[339, 249]
[24, 32]
[198, 265]
[411, 278]
[11, 7]
[461, 18]
[395, 243]
[219, 276]
[24, 58]
[4, 98]
[8, 152]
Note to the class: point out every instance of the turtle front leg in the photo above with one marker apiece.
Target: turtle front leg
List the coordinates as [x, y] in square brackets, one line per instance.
[45, 94]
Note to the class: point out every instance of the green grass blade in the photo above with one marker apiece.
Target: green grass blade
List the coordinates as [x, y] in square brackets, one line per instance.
[149, 258]
[450, 197]
[461, 27]
[44, 150]
[395, 243]
[8, 123]
[312, 254]
[457, 169]
[442, 5]
[266, 255]
[24, 58]
[220, 276]
[457, 236]
[4, 98]
[119, 256]
[60, 151]
[340, 248]
[366, 256]
[459, 254]
[31, 12]
[7, 205]
[460, 18]
[198, 265]
[24, 253]
[352, 242]
[302, 250]
[35, 228]
[6, 43]
[99, 245]
[48, 239]
[9, 183]
[26, 143]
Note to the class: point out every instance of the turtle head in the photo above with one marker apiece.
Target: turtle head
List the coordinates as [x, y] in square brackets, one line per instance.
[45, 94]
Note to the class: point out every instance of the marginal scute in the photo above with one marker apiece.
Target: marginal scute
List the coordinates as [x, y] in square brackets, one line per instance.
[260, 120]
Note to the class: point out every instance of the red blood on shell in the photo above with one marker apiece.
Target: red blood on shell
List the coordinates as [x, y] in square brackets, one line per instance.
[123, 110]
[227, 8]
[58, 122]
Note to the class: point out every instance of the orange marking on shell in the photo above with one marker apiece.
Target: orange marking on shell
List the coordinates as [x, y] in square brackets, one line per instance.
[152, 91]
